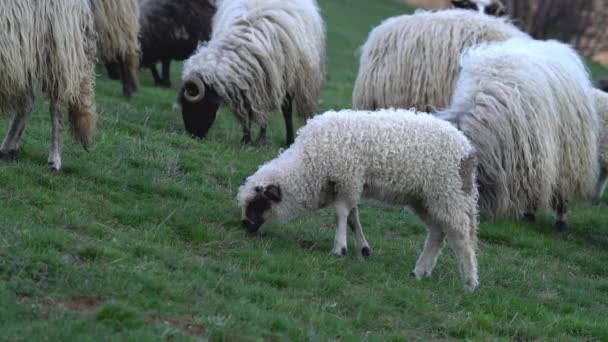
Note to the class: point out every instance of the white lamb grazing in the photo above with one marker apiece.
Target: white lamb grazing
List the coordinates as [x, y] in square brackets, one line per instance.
[396, 156]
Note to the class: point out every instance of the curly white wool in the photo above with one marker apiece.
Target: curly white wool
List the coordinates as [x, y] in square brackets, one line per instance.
[260, 51]
[397, 156]
[412, 60]
[601, 105]
[527, 107]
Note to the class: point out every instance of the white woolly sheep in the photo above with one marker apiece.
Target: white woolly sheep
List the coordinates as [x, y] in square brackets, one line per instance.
[396, 156]
[117, 25]
[601, 105]
[48, 45]
[412, 60]
[528, 109]
[263, 54]
[489, 7]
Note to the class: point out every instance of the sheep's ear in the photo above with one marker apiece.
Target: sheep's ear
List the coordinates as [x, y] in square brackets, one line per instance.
[273, 193]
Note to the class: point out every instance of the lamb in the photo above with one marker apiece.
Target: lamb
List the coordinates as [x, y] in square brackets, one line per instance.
[527, 108]
[117, 25]
[397, 156]
[412, 60]
[489, 7]
[601, 105]
[49, 46]
[263, 56]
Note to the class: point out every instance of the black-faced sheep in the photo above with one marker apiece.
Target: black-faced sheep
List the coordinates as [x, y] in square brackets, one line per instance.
[396, 156]
[412, 60]
[49, 46]
[527, 107]
[263, 55]
[117, 25]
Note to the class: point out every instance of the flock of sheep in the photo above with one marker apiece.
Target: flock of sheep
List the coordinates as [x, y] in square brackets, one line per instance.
[491, 121]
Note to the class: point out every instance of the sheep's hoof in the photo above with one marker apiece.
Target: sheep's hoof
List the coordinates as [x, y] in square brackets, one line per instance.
[470, 285]
[530, 217]
[54, 166]
[365, 251]
[561, 226]
[246, 139]
[261, 140]
[8, 155]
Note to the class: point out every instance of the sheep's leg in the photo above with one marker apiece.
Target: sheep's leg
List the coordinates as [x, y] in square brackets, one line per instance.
[355, 226]
[157, 80]
[166, 82]
[10, 145]
[465, 252]
[560, 207]
[601, 185]
[340, 244]
[128, 84]
[246, 139]
[54, 161]
[113, 70]
[262, 137]
[287, 110]
[435, 240]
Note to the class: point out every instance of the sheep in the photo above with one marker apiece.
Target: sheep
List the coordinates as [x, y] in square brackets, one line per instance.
[396, 156]
[170, 30]
[263, 56]
[489, 7]
[49, 46]
[117, 25]
[527, 108]
[412, 60]
[601, 105]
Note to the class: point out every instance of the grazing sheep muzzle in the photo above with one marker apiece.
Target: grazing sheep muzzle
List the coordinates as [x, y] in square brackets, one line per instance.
[251, 227]
[199, 107]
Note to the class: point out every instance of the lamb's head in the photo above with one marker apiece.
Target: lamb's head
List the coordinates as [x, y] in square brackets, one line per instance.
[258, 203]
[489, 7]
[603, 84]
[199, 103]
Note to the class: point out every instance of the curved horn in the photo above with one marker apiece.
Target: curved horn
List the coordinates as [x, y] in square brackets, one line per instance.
[194, 89]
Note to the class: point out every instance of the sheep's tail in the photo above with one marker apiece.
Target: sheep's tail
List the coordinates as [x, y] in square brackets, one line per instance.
[83, 115]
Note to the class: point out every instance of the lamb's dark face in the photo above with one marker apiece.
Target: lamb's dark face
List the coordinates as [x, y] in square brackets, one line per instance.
[603, 84]
[496, 8]
[200, 104]
[256, 209]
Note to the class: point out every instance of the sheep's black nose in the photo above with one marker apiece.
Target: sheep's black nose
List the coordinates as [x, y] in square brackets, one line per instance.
[251, 227]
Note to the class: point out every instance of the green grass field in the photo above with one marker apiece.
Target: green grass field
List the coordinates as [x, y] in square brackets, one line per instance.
[141, 240]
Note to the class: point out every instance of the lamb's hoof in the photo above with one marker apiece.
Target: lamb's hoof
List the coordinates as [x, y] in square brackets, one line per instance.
[365, 251]
[246, 139]
[561, 226]
[340, 252]
[470, 285]
[530, 217]
[8, 155]
[420, 274]
[54, 165]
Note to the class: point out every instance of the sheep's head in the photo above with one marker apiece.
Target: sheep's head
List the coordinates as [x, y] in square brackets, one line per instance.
[199, 103]
[257, 203]
[489, 7]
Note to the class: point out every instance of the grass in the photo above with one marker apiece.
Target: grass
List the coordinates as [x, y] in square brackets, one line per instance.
[140, 240]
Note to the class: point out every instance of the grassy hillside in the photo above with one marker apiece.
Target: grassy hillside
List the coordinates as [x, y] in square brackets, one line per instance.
[141, 239]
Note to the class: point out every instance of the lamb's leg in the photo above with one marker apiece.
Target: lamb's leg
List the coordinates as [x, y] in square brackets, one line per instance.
[355, 226]
[560, 207]
[262, 137]
[601, 185]
[435, 240]
[166, 82]
[157, 80]
[10, 145]
[54, 161]
[287, 110]
[340, 244]
[465, 252]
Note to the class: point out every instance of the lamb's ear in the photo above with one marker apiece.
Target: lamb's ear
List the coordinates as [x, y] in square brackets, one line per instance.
[273, 193]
